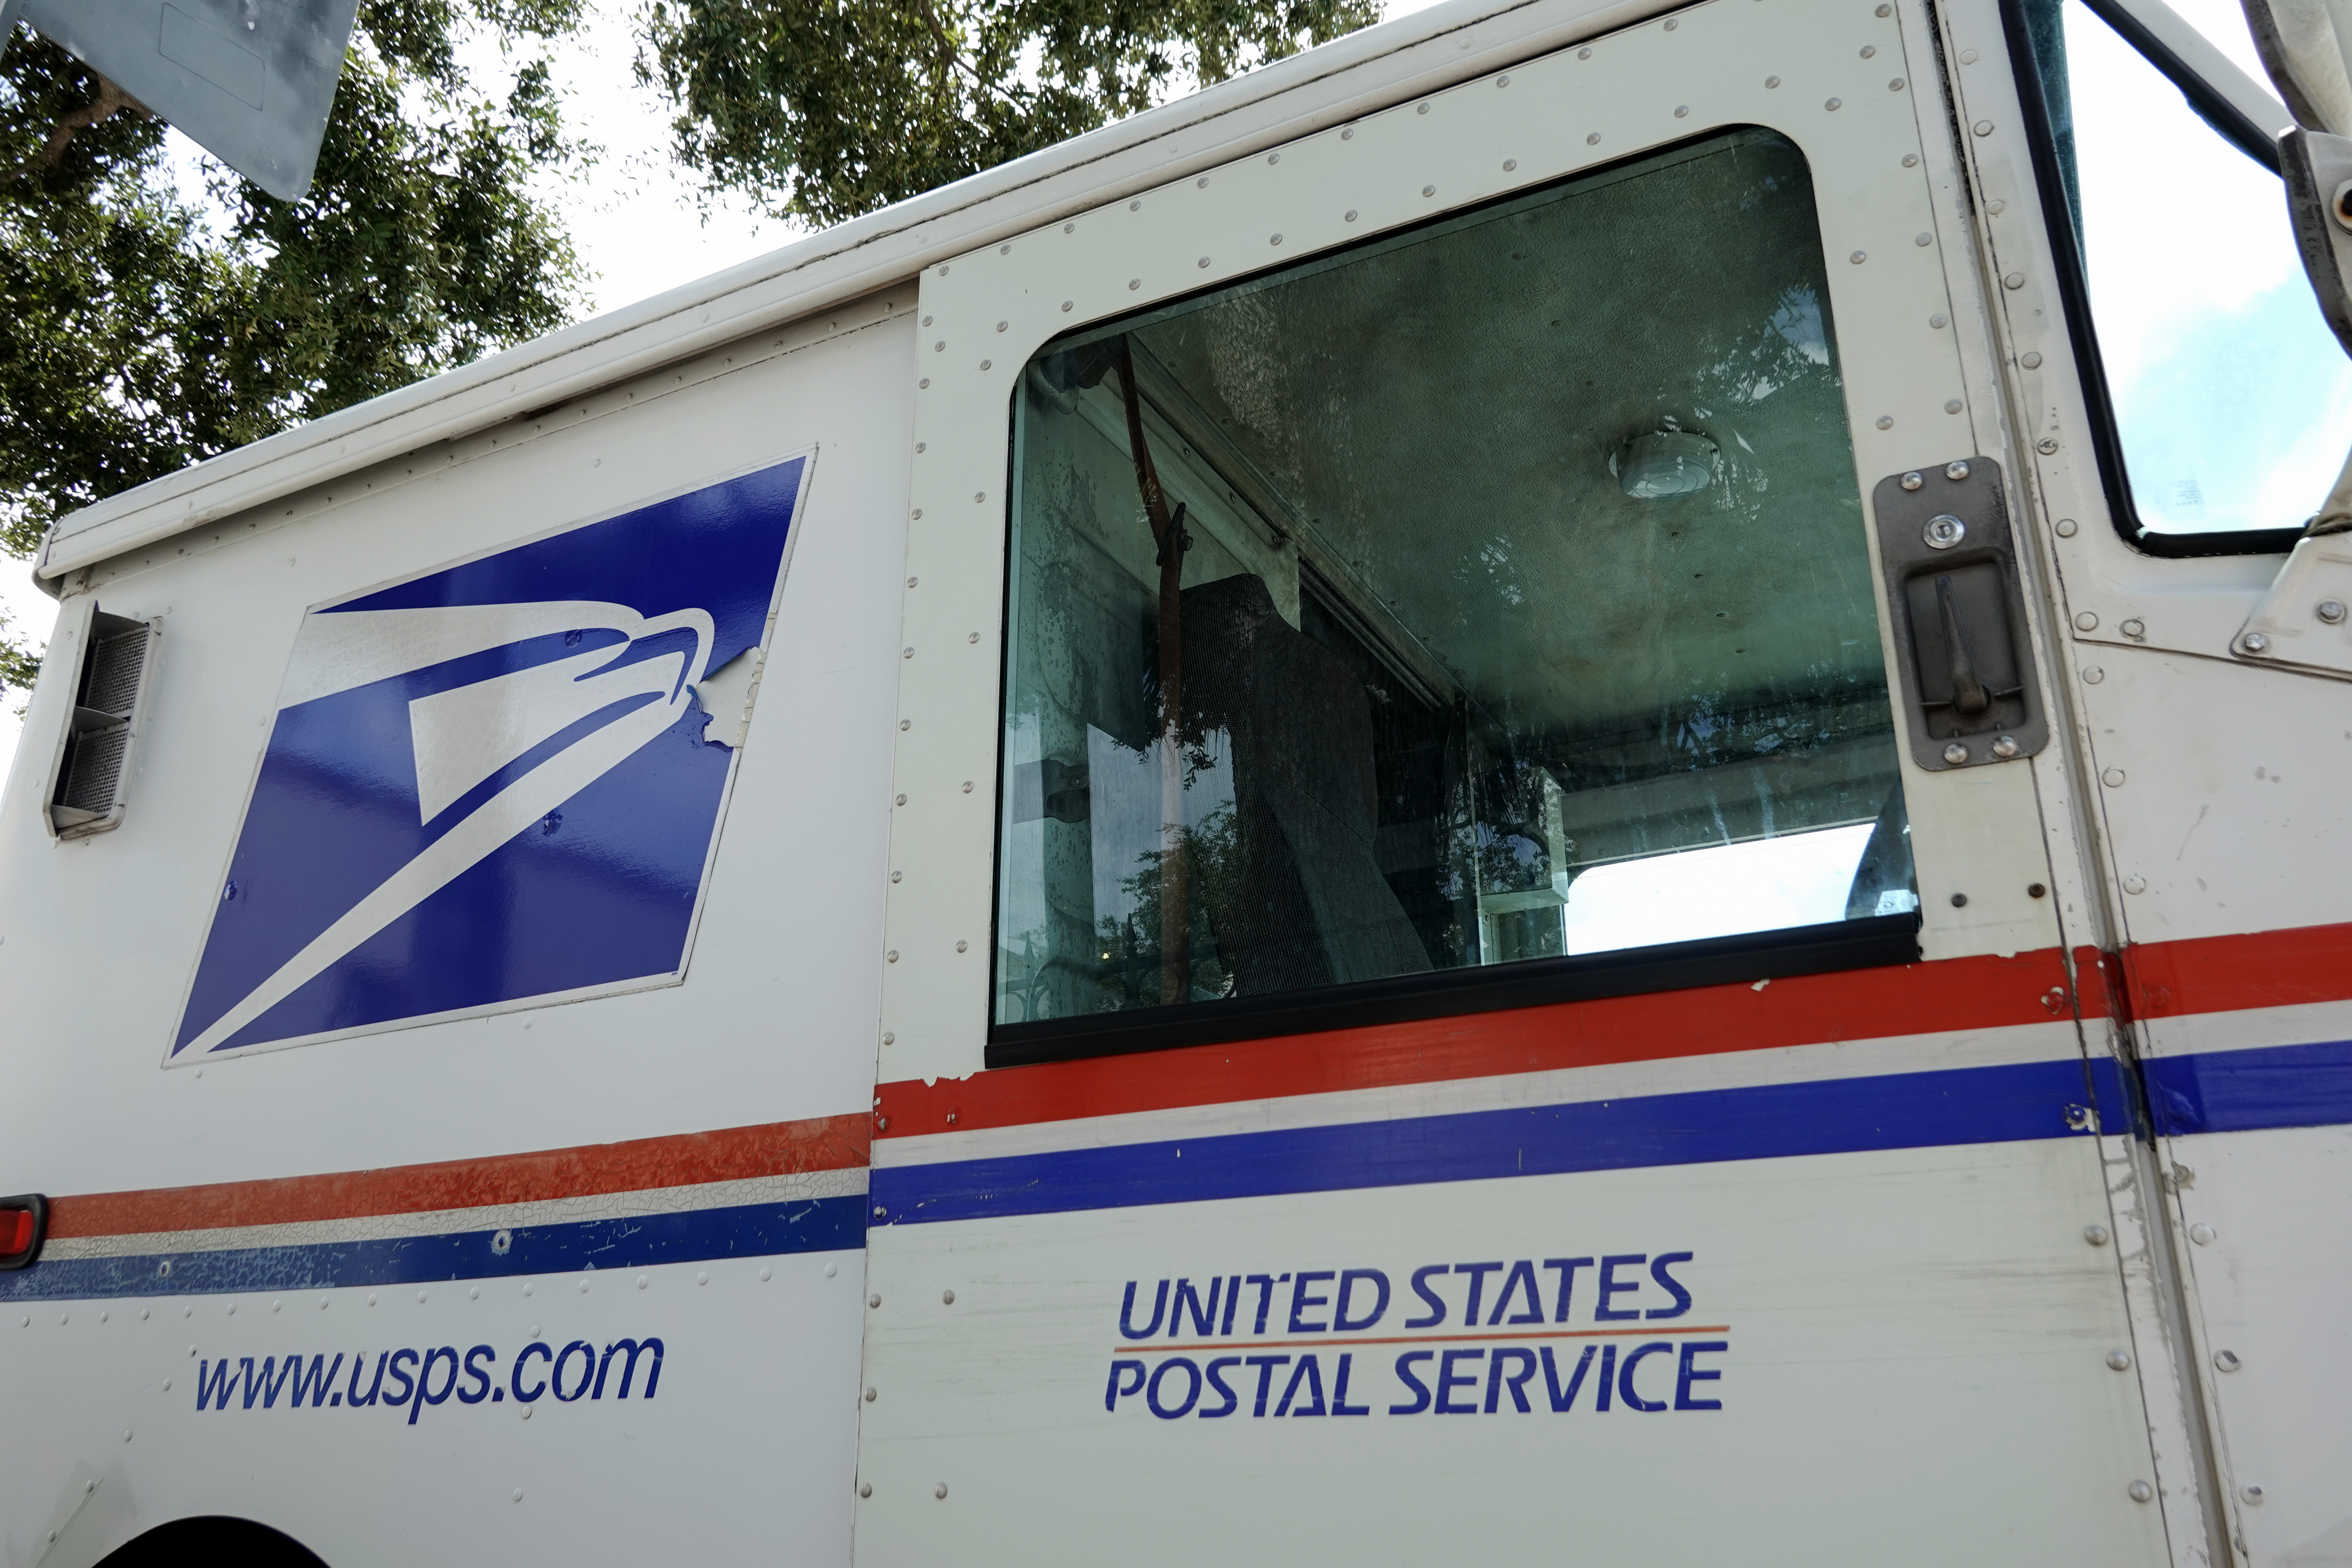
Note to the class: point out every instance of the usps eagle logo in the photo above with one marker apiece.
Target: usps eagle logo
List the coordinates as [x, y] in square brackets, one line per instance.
[498, 784]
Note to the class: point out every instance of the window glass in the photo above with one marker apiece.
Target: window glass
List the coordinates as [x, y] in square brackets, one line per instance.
[2231, 399]
[1494, 592]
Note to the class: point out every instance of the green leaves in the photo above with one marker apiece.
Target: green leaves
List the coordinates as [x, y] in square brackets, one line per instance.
[827, 109]
[144, 326]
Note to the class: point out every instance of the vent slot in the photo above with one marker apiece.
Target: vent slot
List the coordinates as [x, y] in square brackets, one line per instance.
[94, 761]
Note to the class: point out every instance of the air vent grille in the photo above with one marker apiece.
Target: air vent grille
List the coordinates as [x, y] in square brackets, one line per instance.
[94, 756]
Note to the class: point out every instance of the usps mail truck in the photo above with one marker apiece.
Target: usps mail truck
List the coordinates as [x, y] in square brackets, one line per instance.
[1565, 785]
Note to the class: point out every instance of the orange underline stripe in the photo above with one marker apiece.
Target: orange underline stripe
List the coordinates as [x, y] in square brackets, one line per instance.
[1429, 1339]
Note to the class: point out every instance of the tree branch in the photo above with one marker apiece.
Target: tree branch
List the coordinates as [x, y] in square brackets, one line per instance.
[110, 101]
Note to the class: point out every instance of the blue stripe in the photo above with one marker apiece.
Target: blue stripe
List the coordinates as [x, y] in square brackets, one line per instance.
[752, 1230]
[1906, 1110]
[2245, 1091]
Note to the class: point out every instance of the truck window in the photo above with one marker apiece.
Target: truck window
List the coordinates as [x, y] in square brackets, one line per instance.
[1493, 591]
[2229, 403]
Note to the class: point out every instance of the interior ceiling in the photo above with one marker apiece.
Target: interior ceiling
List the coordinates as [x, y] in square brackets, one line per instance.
[1443, 410]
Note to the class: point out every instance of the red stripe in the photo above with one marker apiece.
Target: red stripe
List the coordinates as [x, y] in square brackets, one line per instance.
[776, 1149]
[2230, 973]
[1919, 998]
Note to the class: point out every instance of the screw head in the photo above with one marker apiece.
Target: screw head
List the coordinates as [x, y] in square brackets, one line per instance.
[2086, 622]
[2227, 1360]
[2046, 445]
[2134, 628]
[2254, 642]
[2331, 611]
[2066, 527]
[2135, 885]
[1912, 481]
[2097, 1234]
[2113, 778]
[2119, 1361]
[2030, 360]
[2092, 675]
[2252, 1494]
[2140, 1492]
[2005, 747]
[1984, 127]
[1956, 754]
[1943, 530]
[2202, 1234]
[1956, 471]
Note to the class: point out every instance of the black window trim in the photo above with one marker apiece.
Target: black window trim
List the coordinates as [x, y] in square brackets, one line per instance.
[2073, 284]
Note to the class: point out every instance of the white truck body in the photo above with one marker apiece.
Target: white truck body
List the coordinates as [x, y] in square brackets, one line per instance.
[642, 1026]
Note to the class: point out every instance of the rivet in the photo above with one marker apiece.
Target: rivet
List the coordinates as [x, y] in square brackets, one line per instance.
[871, 1395]
[966, 787]
[2141, 1491]
[641, 1281]
[2092, 675]
[1351, 216]
[583, 1286]
[1274, 157]
[874, 1301]
[1422, 108]
[882, 1124]
[2134, 628]
[2254, 642]
[1910, 159]
[985, 363]
[1502, 81]
[1584, 54]
[1996, 206]
[1968, 57]
[2030, 360]
[1066, 304]
[2331, 611]
[941, 1489]
[2034, 890]
[1202, 184]
[830, 1266]
[1955, 472]
[1133, 284]
[902, 800]
[2227, 1360]
[889, 1037]
[925, 383]
[2005, 748]
[979, 496]
[1771, 81]
[1895, 84]
[1593, 140]
[2066, 528]
[960, 946]
[2119, 1361]
[2252, 1495]
[1859, 257]
[1349, 134]
[1131, 206]
[1939, 321]
[2086, 622]
[1912, 481]
[2134, 884]
[1960, 901]
[1069, 228]
[941, 347]
[2113, 778]
[1002, 325]
[1681, 111]
[1956, 754]
[518, 1491]
[1886, 10]
[866, 1489]
[1923, 239]
[2046, 445]
[897, 876]
[1670, 25]
[126, 1434]
[946, 1298]
[2097, 1234]
[1509, 164]
[2014, 280]
[1886, 422]
[1429, 190]
[1869, 51]
[767, 1273]
[1952, 405]
[1203, 262]
[702, 1277]
[1984, 127]
[972, 638]
[891, 956]
[905, 653]
[2202, 1234]
[1833, 103]
[1274, 239]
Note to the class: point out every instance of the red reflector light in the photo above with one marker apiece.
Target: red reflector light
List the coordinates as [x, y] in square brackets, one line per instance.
[15, 1231]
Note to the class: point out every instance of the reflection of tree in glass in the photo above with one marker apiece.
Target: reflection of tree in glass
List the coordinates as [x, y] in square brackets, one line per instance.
[1129, 946]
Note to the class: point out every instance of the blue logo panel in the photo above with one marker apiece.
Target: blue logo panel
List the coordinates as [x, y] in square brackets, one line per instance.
[491, 785]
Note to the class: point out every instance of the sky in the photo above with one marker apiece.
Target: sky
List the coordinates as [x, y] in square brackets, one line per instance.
[641, 228]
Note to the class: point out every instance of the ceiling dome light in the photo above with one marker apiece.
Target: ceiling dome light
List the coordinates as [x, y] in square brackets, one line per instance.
[1665, 462]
